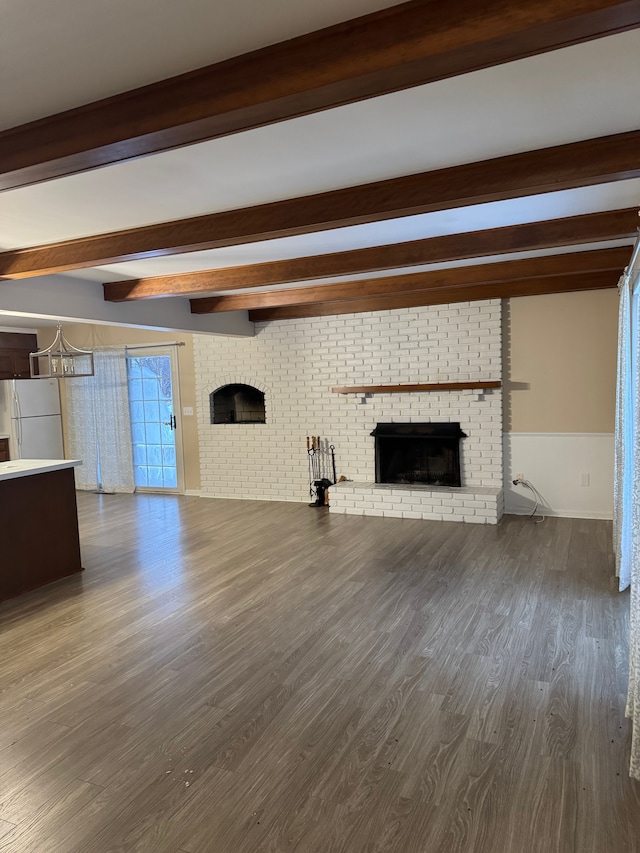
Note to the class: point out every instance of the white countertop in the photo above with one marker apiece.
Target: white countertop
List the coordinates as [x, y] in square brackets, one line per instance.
[27, 467]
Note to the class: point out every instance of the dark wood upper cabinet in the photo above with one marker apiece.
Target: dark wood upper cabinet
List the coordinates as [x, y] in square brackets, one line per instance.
[14, 354]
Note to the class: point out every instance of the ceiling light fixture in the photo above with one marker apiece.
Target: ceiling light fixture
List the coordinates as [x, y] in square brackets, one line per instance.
[60, 360]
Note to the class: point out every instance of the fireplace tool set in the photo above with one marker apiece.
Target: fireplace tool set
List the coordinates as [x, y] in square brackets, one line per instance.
[322, 465]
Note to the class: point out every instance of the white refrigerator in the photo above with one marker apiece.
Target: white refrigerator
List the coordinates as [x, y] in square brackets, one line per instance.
[30, 416]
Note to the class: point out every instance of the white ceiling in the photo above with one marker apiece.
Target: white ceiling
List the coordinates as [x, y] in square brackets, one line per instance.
[85, 51]
[61, 54]
[460, 220]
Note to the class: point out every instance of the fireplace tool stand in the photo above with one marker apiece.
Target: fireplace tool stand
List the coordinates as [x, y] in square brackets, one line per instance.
[321, 455]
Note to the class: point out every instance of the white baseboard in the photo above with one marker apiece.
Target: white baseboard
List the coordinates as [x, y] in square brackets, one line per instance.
[564, 513]
[194, 493]
[276, 499]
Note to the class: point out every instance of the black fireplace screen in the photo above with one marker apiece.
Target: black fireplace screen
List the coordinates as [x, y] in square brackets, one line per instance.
[427, 454]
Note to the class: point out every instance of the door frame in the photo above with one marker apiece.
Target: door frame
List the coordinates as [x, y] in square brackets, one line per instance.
[144, 352]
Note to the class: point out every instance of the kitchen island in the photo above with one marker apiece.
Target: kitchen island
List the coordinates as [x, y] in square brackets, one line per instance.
[39, 540]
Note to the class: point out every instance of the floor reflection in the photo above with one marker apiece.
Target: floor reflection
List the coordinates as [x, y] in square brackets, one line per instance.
[159, 540]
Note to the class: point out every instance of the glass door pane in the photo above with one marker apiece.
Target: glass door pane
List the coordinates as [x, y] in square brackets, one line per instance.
[153, 421]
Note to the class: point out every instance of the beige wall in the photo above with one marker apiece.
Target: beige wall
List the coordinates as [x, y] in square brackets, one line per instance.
[82, 335]
[559, 362]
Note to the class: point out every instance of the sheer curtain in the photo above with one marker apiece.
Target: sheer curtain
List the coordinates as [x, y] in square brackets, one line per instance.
[99, 430]
[627, 487]
[624, 445]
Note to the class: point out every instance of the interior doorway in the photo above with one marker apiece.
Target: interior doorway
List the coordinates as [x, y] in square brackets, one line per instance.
[154, 407]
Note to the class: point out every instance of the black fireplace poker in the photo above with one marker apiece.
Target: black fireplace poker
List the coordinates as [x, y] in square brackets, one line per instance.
[320, 453]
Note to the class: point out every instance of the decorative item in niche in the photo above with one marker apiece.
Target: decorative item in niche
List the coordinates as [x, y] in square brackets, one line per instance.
[237, 404]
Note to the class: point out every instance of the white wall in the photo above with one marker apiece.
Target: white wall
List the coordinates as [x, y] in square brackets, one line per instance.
[558, 464]
[296, 362]
[61, 297]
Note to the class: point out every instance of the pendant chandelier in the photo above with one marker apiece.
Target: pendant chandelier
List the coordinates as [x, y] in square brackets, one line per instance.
[61, 360]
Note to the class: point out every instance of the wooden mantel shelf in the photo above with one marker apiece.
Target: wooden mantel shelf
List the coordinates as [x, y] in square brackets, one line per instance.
[409, 388]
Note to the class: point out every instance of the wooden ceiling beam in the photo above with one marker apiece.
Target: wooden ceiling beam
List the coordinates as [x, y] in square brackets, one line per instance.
[578, 164]
[443, 296]
[571, 230]
[406, 45]
[572, 263]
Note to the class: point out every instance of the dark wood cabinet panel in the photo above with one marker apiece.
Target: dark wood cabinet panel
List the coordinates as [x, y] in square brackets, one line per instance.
[38, 531]
[18, 340]
[14, 355]
[14, 364]
[6, 365]
[21, 363]
[4, 450]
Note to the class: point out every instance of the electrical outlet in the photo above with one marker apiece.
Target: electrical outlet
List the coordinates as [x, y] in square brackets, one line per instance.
[520, 476]
[187, 410]
[585, 480]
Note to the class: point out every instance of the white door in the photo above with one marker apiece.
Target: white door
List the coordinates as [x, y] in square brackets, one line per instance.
[154, 407]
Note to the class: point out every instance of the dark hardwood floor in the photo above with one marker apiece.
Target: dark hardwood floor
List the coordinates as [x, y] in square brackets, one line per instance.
[233, 676]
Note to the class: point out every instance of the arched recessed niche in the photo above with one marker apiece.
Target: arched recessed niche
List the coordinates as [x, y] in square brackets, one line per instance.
[237, 404]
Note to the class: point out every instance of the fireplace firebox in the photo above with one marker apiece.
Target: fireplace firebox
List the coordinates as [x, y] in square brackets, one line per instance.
[426, 453]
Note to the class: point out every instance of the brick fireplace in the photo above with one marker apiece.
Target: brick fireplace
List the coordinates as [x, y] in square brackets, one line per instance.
[296, 363]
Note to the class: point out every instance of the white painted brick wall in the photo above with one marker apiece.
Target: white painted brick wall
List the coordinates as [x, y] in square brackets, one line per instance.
[296, 362]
